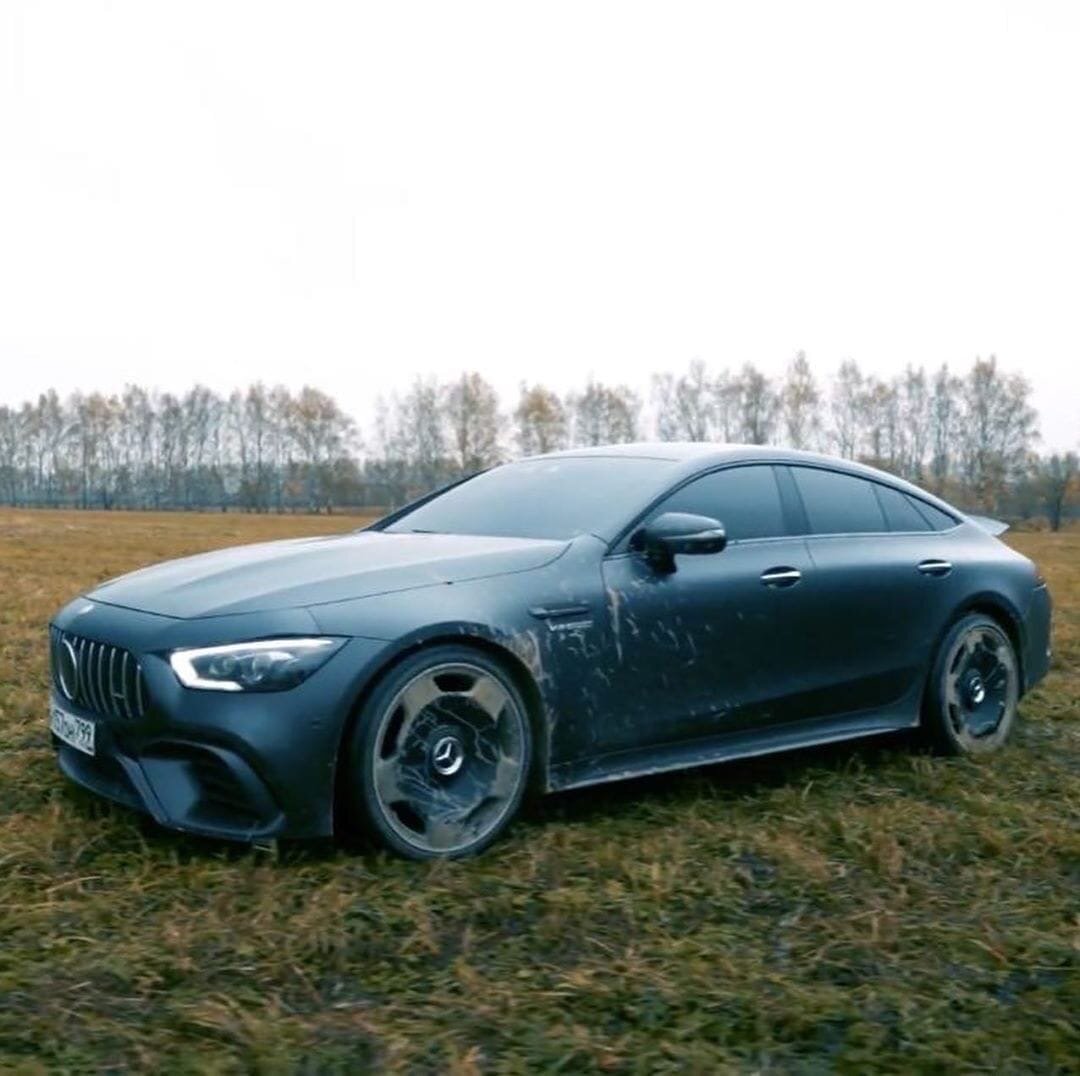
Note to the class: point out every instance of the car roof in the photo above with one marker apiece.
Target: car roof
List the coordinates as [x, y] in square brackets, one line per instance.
[692, 457]
[655, 450]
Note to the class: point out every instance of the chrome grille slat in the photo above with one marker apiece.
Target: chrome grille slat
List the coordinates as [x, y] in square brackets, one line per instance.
[103, 686]
[82, 679]
[93, 670]
[93, 673]
[109, 681]
[84, 670]
[77, 643]
[124, 661]
[113, 708]
[91, 686]
[104, 664]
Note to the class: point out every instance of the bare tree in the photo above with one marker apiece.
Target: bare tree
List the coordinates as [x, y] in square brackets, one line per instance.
[323, 434]
[727, 397]
[138, 430]
[389, 468]
[759, 406]
[280, 410]
[997, 432]
[800, 404]
[877, 414]
[96, 428]
[202, 412]
[914, 414]
[51, 432]
[605, 414]
[972, 437]
[944, 415]
[252, 420]
[1057, 479]
[9, 454]
[174, 451]
[471, 410]
[414, 433]
[237, 420]
[847, 391]
[685, 404]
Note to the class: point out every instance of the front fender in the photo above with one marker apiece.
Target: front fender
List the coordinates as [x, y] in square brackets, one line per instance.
[505, 615]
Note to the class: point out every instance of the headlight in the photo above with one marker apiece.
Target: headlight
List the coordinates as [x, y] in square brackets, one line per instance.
[264, 665]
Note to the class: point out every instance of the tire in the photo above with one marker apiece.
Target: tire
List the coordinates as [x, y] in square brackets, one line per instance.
[438, 760]
[974, 688]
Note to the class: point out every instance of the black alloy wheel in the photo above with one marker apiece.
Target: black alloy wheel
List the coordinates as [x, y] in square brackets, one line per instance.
[974, 688]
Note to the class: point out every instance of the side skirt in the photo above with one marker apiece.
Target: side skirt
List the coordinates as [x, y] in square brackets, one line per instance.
[640, 762]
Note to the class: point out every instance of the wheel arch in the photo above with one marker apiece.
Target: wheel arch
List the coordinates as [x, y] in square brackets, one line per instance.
[511, 662]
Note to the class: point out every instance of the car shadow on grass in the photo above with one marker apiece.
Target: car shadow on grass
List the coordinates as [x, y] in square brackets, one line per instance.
[721, 782]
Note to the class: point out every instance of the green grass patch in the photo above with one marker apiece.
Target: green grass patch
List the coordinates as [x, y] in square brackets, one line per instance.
[845, 909]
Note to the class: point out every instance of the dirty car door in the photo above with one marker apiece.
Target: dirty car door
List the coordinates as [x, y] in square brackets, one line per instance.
[709, 648]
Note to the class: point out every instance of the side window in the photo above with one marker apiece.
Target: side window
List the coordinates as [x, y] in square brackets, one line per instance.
[838, 503]
[745, 499]
[938, 520]
[900, 513]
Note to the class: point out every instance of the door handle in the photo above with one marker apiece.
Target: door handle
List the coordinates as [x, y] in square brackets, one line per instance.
[934, 567]
[781, 577]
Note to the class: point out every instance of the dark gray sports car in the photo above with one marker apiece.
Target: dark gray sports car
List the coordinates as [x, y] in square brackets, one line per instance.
[559, 621]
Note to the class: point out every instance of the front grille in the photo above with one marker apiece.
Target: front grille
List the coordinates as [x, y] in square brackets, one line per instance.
[107, 679]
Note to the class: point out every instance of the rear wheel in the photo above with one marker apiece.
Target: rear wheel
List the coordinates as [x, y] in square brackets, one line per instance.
[439, 759]
[974, 688]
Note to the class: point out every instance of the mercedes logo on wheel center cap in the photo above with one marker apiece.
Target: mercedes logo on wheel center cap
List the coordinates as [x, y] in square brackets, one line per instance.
[447, 756]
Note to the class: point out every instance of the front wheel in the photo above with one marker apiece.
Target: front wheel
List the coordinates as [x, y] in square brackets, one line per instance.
[974, 688]
[438, 761]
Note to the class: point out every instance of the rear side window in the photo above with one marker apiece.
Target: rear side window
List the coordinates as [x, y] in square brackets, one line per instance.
[938, 520]
[900, 511]
[745, 499]
[838, 503]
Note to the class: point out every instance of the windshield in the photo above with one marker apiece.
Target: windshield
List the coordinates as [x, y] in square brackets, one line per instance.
[557, 497]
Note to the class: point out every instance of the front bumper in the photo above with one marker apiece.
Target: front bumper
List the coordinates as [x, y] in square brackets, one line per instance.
[197, 788]
[226, 765]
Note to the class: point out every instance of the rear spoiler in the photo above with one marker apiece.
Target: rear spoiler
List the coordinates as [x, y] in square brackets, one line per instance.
[991, 526]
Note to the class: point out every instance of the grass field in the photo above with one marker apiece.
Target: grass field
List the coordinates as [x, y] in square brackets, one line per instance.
[856, 908]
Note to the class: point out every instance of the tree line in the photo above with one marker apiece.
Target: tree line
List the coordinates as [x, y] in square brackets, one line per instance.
[971, 436]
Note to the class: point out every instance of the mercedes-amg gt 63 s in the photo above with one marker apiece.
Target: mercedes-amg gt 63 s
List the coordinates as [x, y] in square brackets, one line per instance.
[555, 622]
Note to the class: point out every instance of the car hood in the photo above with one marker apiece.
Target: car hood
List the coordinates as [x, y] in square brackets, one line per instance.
[315, 571]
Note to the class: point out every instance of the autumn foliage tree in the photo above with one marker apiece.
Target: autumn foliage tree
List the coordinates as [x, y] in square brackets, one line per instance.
[540, 421]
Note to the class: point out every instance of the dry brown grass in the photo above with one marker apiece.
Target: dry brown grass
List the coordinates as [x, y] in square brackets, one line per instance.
[848, 909]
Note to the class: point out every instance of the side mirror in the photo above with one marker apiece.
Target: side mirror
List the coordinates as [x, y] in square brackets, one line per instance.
[677, 532]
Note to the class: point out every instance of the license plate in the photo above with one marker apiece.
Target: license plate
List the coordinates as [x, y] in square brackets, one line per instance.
[75, 731]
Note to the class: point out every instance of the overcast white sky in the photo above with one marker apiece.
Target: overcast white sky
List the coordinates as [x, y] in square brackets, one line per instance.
[352, 194]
